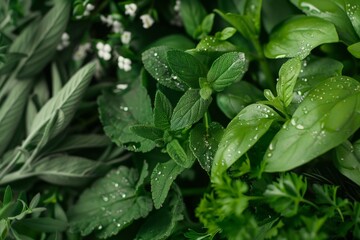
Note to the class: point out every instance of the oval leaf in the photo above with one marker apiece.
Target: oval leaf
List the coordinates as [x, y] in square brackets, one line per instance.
[347, 161]
[326, 118]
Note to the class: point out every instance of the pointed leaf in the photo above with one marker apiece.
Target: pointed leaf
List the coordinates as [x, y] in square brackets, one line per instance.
[329, 114]
[178, 154]
[148, 132]
[162, 111]
[192, 14]
[347, 161]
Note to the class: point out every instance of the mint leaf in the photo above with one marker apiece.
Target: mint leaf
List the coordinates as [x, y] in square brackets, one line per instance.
[110, 204]
[288, 75]
[162, 177]
[204, 143]
[155, 62]
[162, 111]
[354, 49]
[297, 36]
[241, 134]
[347, 161]
[327, 117]
[227, 69]
[120, 111]
[186, 67]
[192, 14]
[183, 157]
[148, 132]
[190, 109]
[285, 195]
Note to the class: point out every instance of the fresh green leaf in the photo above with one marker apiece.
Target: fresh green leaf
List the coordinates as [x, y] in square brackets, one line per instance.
[66, 100]
[175, 41]
[10, 62]
[334, 11]
[161, 180]
[162, 111]
[118, 112]
[212, 45]
[236, 97]
[190, 109]
[226, 70]
[192, 14]
[288, 75]
[226, 33]
[285, 195]
[148, 132]
[179, 154]
[8, 196]
[155, 62]
[328, 116]
[297, 36]
[66, 170]
[110, 204]
[207, 24]
[186, 67]
[354, 49]
[348, 162]
[204, 142]
[44, 224]
[241, 134]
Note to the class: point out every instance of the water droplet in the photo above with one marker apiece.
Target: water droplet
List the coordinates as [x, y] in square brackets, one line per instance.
[105, 198]
[100, 227]
[300, 127]
[123, 195]
[118, 225]
[269, 155]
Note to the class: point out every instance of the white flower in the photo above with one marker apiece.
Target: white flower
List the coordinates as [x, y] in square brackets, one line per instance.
[147, 20]
[130, 9]
[88, 8]
[126, 37]
[81, 51]
[177, 6]
[104, 51]
[117, 27]
[124, 63]
[64, 41]
[121, 86]
[108, 20]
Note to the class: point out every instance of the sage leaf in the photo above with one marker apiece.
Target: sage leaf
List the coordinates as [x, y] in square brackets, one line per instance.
[186, 67]
[190, 109]
[347, 161]
[297, 36]
[162, 111]
[162, 177]
[288, 75]
[110, 204]
[120, 111]
[65, 100]
[227, 69]
[241, 134]
[11, 111]
[155, 62]
[329, 114]
[204, 142]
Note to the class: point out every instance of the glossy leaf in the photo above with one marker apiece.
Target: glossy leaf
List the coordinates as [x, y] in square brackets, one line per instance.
[192, 14]
[119, 112]
[297, 36]
[236, 97]
[190, 109]
[148, 132]
[329, 114]
[110, 204]
[226, 70]
[162, 177]
[186, 67]
[11, 111]
[334, 11]
[288, 75]
[354, 49]
[204, 143]
[179, 154]
[348, 162]
[241, 134]
[66, 100]
[155, 62]
[162, 111]
[44, 224]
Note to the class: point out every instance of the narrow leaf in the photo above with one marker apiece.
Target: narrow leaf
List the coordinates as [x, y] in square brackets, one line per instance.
[162, 111]
[192, 14]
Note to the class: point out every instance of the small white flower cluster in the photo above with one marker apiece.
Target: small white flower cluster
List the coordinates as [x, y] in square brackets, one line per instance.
[88, 8]
[124, 63]
[126, 37]
[116, 25]
[177, 18]
[81, 51]
[64, 42]
[104, 51]
[130, 9]
[147, 21]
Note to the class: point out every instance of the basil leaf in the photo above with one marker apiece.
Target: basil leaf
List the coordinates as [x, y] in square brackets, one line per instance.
[204, 143]
[297, 36]
[186, 67]
[192, 14]
[162, 111]
[118, 112]
[190, 109]
[334, 11]
[110, 204]
[288, 74]
[207, 24]
[226, 70]
[241, 134]
[329, 114]
[182, 157]
[236, 97]
[347, 161]
[354, 49]
[162, 177]
[155, 62]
